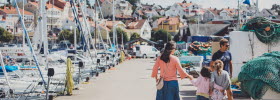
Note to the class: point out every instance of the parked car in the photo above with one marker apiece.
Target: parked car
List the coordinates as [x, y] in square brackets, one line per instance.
[146, 51]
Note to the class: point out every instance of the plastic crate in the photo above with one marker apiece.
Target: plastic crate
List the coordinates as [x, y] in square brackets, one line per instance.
[196, 60]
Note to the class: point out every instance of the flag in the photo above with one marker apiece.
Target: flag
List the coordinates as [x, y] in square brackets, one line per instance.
[248, 2]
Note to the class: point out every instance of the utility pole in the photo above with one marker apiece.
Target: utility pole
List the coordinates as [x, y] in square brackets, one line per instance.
[238, 19]
[95, 31]
[75, 43]
[23, 35]
[114, 30]
[257, 7]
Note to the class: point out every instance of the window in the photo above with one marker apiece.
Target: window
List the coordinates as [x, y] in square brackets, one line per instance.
[170, 27]
[154, 49]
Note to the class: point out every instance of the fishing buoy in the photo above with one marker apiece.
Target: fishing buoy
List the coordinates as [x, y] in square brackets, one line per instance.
[267, 29]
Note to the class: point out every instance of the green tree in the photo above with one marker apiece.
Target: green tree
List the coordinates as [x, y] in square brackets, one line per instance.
[133, 2]
[162, 35]
[156, 17]
[177, 37]
[152, 35]
[134, 36]
[5, 36]
[120, 33]
[68, 35]
[185, 17]
[144, 17]
[193, 20]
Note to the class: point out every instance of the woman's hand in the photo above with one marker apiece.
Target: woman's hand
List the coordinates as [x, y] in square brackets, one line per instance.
[223, 91]
[191, 77]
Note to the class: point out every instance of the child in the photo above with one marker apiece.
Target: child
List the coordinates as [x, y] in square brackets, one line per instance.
[203, 84]
[221, 78]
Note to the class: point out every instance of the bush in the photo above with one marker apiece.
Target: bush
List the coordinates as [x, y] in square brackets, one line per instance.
[68, 35]
[120, 33]
[162, 35]
[5, 36]
[134, 36]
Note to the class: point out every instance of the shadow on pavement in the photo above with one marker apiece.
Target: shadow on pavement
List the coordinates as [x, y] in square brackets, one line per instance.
[187, 85]
[188, 93]
[188, 98]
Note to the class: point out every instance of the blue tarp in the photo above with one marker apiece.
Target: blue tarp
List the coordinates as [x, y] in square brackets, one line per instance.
[9, 68]
[28, 67]
[112, 49]
[201, 38]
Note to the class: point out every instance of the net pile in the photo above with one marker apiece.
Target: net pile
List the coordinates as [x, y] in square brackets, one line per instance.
[260, 74]
[265, 30]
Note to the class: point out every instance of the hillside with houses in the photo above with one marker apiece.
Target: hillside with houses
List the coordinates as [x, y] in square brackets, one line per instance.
[180, 19]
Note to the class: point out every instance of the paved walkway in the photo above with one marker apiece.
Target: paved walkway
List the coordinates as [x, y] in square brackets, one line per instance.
[130, 81]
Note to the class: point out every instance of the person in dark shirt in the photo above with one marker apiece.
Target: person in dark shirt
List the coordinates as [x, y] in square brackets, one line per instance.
[224, 55]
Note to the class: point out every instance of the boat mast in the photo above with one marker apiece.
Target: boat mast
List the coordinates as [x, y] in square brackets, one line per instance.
[114, 28]
[29, 44]
[4, 69]
[238, 19]
[23, 36]
[44, 32]
[257, 7]
[95, 30]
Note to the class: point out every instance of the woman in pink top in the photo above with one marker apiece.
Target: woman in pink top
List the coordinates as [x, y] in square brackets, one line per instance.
[168, 65]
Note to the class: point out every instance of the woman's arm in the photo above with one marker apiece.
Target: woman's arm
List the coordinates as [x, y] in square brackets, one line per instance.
[155, 68]
[197, 81]
[178, 66]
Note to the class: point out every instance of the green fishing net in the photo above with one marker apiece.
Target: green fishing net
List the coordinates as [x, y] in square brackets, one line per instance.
[260, 74]
[265, 30]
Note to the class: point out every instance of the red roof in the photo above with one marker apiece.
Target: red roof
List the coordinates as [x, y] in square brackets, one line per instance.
[123, 16]
[170, 20]
[49, 6]
[184, 5]
[230, 11]
[34, 3]
[12, 10]
[215, 11]
[140, 12]
[59, 3]
[137, 24]
[109, 24]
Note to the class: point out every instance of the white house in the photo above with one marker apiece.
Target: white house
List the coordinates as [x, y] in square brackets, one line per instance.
[121, 7]
[31, 7]
[147, 10]
[10, 16]
[57, 13]
[142, 27]
[184, 8]
[68, 23]
[227, 13]
[268, 13]
[210, 15]
[91, 13]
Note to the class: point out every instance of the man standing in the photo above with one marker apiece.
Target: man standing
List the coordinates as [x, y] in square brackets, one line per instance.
[224, 55]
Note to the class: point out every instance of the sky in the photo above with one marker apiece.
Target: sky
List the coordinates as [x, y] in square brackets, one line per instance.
[207, 3]
[214, 3]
